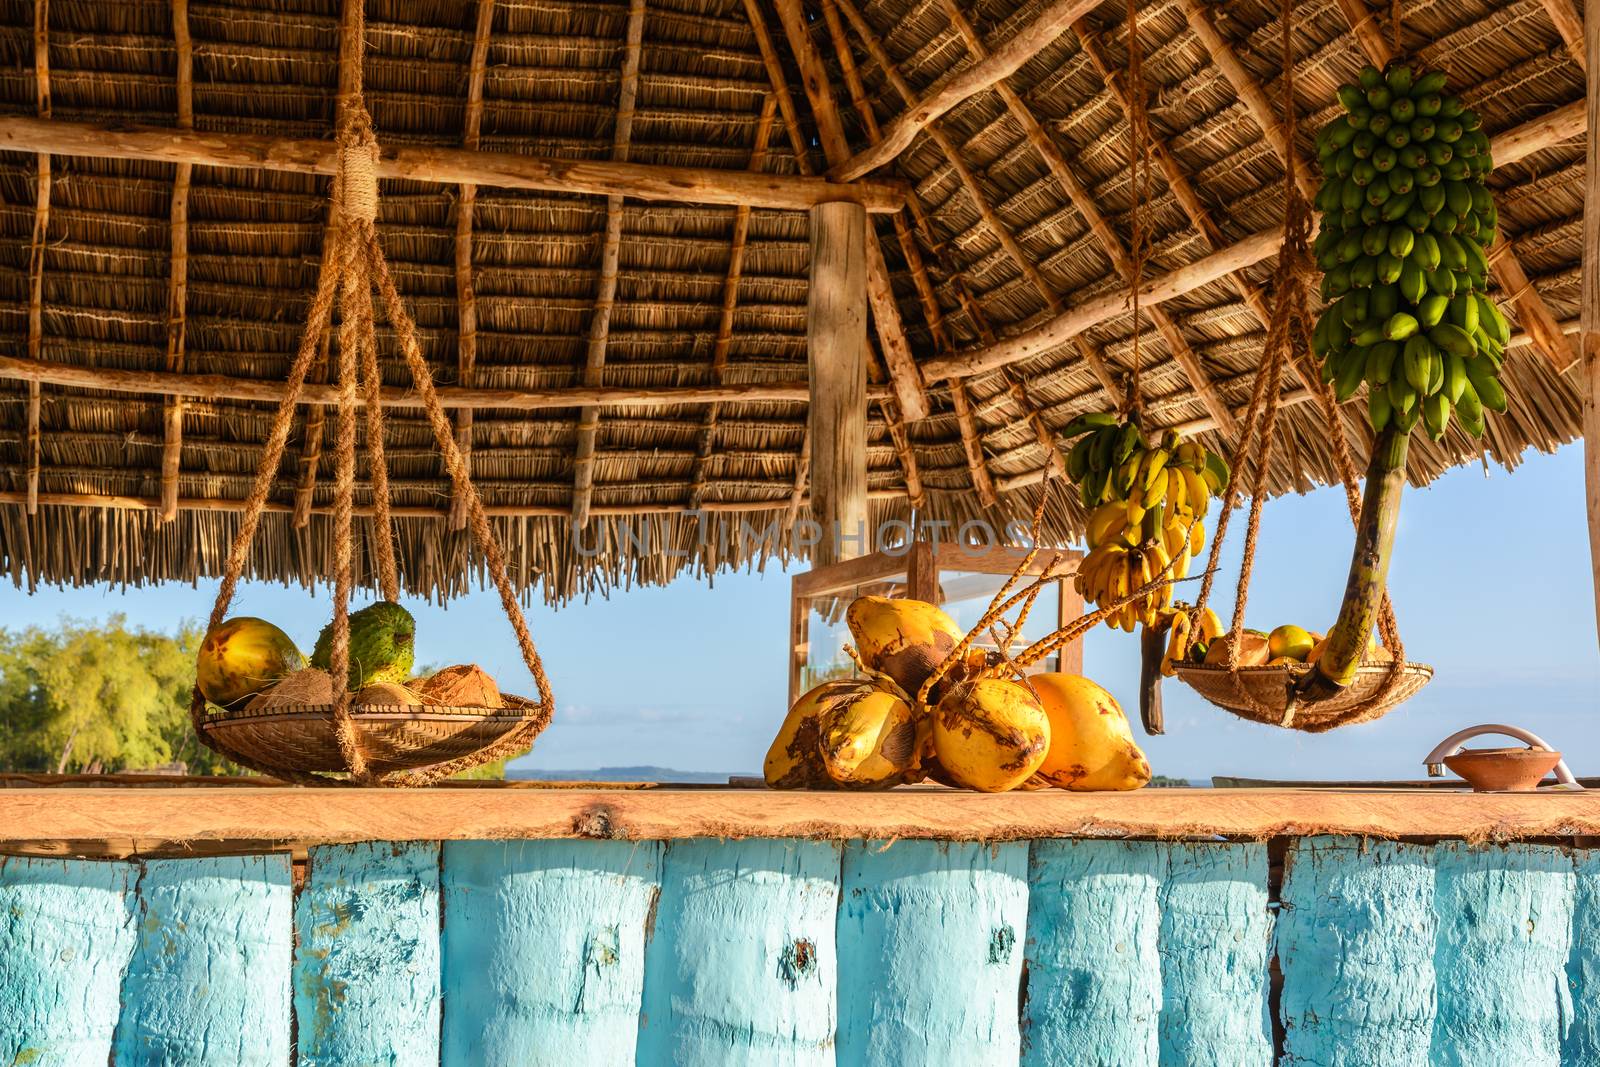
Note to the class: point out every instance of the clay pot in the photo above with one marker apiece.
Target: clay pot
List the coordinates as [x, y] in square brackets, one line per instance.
[1503, 770]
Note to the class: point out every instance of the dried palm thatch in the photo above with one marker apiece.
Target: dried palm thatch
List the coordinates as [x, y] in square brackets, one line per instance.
[1019, 214]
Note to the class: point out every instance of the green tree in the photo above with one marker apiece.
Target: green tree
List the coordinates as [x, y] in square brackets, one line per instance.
[109, 695]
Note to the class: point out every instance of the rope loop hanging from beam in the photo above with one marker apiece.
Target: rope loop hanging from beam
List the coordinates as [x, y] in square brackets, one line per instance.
[357, 263]
[1289, 340]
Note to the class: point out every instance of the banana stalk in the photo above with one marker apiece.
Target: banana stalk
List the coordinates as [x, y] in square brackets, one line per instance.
[1369, 568]
[1152, 647]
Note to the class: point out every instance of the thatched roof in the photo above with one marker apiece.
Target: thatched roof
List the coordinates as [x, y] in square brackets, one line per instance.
[1006, 245]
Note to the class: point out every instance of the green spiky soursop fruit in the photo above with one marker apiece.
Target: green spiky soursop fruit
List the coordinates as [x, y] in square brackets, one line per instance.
[382, 645]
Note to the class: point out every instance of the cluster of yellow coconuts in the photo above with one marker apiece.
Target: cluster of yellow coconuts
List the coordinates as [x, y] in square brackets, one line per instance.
[930, 708]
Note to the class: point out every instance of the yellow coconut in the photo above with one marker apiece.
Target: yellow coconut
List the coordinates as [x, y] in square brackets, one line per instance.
[905, 639]
[990, 734]
[242, 657]
[794, 760]
[1091, 743]
[869, 738]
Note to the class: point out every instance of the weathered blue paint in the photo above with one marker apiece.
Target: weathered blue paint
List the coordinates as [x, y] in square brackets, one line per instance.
[1355, 942]
[1094, 969]
[1216, 935]
[209, 979]
[742, 966]
[1505, 928]
[1582, 1043]
[366, 969]
[930, 952]
[544, 946]
[66, 933]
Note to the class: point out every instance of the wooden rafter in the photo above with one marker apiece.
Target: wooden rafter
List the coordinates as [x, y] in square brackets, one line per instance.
[797, 141]
[224, 387]
[449, 166]
[36, 248]
[730, 301]
[1589, 386]
[178, 273]
[1532, 312]
[1110, 244]
[610, 251]
[1026, 43]
[903, 371]
[466, 293]
[966, 424]
[1569, 25]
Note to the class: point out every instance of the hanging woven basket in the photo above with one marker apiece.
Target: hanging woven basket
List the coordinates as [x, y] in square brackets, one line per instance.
[1295, 695]
[366, 744]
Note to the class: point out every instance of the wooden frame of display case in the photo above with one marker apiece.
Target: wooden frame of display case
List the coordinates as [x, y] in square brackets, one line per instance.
[921, 565]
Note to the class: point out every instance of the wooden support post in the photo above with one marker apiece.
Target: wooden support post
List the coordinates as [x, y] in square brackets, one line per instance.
[611, 248]
[836, 339]
[903, 371]
[1591, 295]
[466, 295]
[41, 233]
[178, 275]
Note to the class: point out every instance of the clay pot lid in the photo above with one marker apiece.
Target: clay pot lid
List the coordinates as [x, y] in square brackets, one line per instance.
[1509, 770]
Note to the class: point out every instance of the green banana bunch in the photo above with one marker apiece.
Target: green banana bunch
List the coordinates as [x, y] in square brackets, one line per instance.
[1406, 221]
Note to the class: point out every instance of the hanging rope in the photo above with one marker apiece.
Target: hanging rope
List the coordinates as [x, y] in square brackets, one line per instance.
[1288, 339]
[358, 262]
[1138, 226]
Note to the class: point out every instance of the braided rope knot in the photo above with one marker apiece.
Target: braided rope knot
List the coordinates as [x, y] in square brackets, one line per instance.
[358, 171]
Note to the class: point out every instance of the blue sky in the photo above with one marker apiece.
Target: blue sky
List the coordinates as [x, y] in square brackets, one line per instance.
[1490, 581]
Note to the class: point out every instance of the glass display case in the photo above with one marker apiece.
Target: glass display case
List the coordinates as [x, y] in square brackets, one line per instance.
[959, 578]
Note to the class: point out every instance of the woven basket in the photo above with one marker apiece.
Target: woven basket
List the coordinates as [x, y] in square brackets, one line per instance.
[1270, 687]
[300, 737]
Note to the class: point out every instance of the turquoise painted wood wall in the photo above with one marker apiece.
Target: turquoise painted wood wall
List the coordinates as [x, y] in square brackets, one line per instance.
[873, 953]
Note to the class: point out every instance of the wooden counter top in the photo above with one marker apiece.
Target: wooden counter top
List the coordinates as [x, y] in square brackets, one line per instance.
[139, 820]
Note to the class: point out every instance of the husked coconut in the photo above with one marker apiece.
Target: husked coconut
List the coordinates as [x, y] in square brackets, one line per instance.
[387, 694]
[309, 686]
[465, 685]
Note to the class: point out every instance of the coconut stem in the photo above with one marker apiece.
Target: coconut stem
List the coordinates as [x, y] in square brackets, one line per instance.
[1369, 567]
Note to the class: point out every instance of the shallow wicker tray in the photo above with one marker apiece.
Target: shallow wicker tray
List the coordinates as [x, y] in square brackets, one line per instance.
[1269, 686]
[393, 737]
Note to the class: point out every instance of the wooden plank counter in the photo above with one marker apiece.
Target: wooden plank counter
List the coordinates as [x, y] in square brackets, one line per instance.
[569, 926]
[145, 819]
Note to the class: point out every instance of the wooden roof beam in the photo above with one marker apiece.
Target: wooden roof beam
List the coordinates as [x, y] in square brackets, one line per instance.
[1569, 25]
[1105, 237]
[466, 294]
[1532, 312]
[1005, 61]
[451, 166]
[610, 251]
[903, 370]
[1589, 383]
[178, 271]
[265, 391]
[36, 246]
[730, 301]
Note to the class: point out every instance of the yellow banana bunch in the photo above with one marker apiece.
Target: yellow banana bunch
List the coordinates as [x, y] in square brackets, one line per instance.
[1147, 510]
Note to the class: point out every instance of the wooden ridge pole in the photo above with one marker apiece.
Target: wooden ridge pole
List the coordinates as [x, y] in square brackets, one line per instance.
[223, 387]
[903, 371]
[36, 248]
[1591, 296]
[466, 292]
[611, 249]
[1110, 244]
[730, 301]
[1006, 60]
[178, 272]
[449, 166]
[1532, 312]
